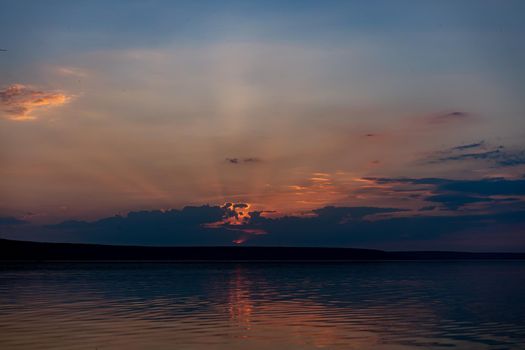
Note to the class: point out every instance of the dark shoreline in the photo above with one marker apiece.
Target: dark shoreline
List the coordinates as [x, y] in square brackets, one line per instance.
[24, 251]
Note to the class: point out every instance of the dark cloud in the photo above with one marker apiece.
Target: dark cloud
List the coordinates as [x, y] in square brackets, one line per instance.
[497, 155]
[428, 208]
[403, 232]
[394, 180]
[500, 219]
[454, 194]
[243, 160]
[457, 114]
[486, 187]
[9, 220]
[455, 201]
[449, 117]
[235, 210]
[338, 214]
[240, 205]
[73, 225]
[512, 158]
[175, 227]
[468, 146]
[329, 226]
[490, 155]
[232, 206]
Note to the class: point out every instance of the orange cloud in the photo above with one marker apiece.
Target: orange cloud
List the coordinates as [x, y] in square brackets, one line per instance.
[19, 101]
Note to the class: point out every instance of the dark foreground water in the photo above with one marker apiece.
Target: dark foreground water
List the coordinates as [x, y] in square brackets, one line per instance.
[390, 305]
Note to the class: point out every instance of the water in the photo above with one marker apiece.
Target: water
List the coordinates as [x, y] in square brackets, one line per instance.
[403, 305]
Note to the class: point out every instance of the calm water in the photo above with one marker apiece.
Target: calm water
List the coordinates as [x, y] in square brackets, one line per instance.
[408, 305]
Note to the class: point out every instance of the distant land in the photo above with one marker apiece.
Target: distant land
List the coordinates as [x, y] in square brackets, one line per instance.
[11, 250]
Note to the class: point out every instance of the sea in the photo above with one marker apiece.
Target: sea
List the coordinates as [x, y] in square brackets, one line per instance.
[354, 305]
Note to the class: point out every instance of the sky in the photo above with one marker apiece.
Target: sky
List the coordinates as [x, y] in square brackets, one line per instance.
[383, 124]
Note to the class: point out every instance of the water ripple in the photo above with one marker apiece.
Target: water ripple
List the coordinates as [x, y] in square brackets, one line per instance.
[462, 305]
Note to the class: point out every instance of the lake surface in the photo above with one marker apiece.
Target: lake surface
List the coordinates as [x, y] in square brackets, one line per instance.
[385, 305]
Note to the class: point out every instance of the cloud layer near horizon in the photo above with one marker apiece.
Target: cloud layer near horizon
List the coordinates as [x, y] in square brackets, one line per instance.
[478, 215]
[329, 226]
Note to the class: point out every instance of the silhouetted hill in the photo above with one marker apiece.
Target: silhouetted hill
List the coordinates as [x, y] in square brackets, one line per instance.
[36, 251]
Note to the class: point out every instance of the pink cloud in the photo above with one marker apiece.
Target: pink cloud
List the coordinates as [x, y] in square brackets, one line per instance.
[20, 101]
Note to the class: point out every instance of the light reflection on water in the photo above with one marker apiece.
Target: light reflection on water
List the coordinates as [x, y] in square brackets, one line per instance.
[405, 305]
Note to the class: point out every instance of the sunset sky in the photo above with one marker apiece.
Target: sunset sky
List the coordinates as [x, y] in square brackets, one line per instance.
[390, 124]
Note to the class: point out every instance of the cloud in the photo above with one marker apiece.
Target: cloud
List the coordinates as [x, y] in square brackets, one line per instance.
[341, 214]
[454, 201]
[415, 181]
[176, 227]
[72, 71]
[19, 101]
[192, 225]
[498, 155]
[9, 220]
[512, 158]
[486, 187]
[403, 232]
[456, 114]
[243, 160]
[468, 146]
[228, 224]
[241, 205]
[427, 208]
[449, 117]
[481, 155]
[326, 226]
[236, 211]
[454, 194]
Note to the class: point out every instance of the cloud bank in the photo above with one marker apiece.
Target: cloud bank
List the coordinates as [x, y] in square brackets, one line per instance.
[472, 215]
